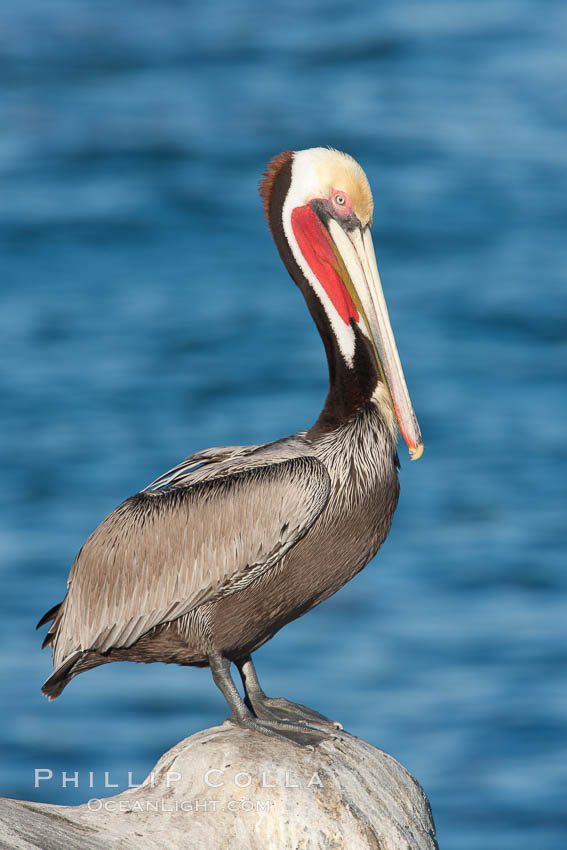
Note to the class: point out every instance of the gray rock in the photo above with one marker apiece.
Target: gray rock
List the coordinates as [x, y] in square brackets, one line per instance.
[227, 787]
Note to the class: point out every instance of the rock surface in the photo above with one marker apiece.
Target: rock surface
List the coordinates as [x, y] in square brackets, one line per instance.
[227, 787]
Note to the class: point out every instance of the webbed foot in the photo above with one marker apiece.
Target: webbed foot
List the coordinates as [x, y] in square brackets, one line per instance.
[299, 734]
[279, 708]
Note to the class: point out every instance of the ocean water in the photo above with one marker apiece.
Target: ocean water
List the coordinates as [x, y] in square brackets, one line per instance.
[145, 314]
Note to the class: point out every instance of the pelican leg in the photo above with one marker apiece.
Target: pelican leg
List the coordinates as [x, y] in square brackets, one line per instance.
[265, 707]
[302, 735]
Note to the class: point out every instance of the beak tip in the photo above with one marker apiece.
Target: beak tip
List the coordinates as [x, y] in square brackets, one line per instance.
[416, 451]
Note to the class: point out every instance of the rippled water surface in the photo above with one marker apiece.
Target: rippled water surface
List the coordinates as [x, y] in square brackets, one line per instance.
[145, 314]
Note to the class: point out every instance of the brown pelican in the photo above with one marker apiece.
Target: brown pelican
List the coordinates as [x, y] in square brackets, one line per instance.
[209, 561]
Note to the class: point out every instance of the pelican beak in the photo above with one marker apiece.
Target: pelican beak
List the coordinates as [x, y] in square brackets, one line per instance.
[356, 264]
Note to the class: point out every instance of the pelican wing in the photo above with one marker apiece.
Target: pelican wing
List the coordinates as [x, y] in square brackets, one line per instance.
[207, 463]
[163, 553]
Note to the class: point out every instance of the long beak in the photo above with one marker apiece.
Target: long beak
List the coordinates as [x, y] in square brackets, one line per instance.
[359, 271]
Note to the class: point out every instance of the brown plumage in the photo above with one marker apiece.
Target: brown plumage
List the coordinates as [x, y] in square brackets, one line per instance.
[266, 187]
[209, 561]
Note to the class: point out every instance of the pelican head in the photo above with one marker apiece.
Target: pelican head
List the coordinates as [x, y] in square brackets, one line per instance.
[319, 207]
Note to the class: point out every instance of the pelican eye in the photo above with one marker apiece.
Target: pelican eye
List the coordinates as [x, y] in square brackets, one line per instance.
[340, 200]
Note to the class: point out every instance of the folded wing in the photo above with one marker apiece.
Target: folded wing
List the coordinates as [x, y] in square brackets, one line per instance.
[163, 553]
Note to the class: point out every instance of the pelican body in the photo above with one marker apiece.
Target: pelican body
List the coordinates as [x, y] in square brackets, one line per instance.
[209, 561]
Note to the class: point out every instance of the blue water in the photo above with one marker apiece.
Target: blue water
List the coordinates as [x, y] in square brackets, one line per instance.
[145, 314]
